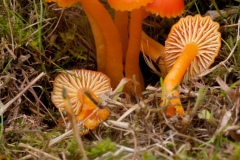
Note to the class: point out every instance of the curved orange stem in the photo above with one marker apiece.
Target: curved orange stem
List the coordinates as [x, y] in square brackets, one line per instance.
[154, 50]
[132, 56]
[121, 20]
[173, 79]
[113, 45]
[99, 43]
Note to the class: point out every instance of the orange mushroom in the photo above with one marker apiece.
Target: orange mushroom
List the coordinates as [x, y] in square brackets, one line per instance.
[76, 82]
[191, 47]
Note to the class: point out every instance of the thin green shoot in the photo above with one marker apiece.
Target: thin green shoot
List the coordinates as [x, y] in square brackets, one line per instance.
[39, 16]
[8, 64]
[201, 95]
[197, 8]
[217, 9]
[226, 44]
[231, 86]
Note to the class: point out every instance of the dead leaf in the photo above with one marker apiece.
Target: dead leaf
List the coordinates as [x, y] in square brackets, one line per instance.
[231, 93]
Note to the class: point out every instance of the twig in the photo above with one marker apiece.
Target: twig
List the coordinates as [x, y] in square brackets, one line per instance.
[62, 10]
[26, 157]
[72, 118]
[59, 138]
[195, 139]
[5, 107]
[37, 99]
[133, 108]
[38, 151]
[70, 132]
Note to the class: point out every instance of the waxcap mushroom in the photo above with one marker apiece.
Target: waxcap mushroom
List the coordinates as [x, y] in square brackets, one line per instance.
[76, 81]
[127, 5]
[191, 47]
[203, 32]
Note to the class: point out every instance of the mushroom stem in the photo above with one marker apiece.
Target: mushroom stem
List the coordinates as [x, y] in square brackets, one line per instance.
[154, 50]
[121, 20]
[99, 43]
[113, 45]
[132, 56]
[174, 77]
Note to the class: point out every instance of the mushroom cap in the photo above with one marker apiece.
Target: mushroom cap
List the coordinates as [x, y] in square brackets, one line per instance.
[127, 5]
[76, 81]
[202, 31]
[166, 8]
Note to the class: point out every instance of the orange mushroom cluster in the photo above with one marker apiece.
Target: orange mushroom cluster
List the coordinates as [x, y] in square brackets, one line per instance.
[76, 83]
[118, 40]
[191, 45]
[139, 10]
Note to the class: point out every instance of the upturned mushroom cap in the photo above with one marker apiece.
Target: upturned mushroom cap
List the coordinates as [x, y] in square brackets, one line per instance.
[95, 119]
[87, 109]
[76, 81]
[127, 5]
[166, 8]
[202, 31]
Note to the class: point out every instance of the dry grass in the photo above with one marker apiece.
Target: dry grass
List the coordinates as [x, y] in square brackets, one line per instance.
[38, 40]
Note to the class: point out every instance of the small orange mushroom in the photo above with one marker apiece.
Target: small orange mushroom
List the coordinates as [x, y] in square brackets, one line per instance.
[76, 82]
[191, 47]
